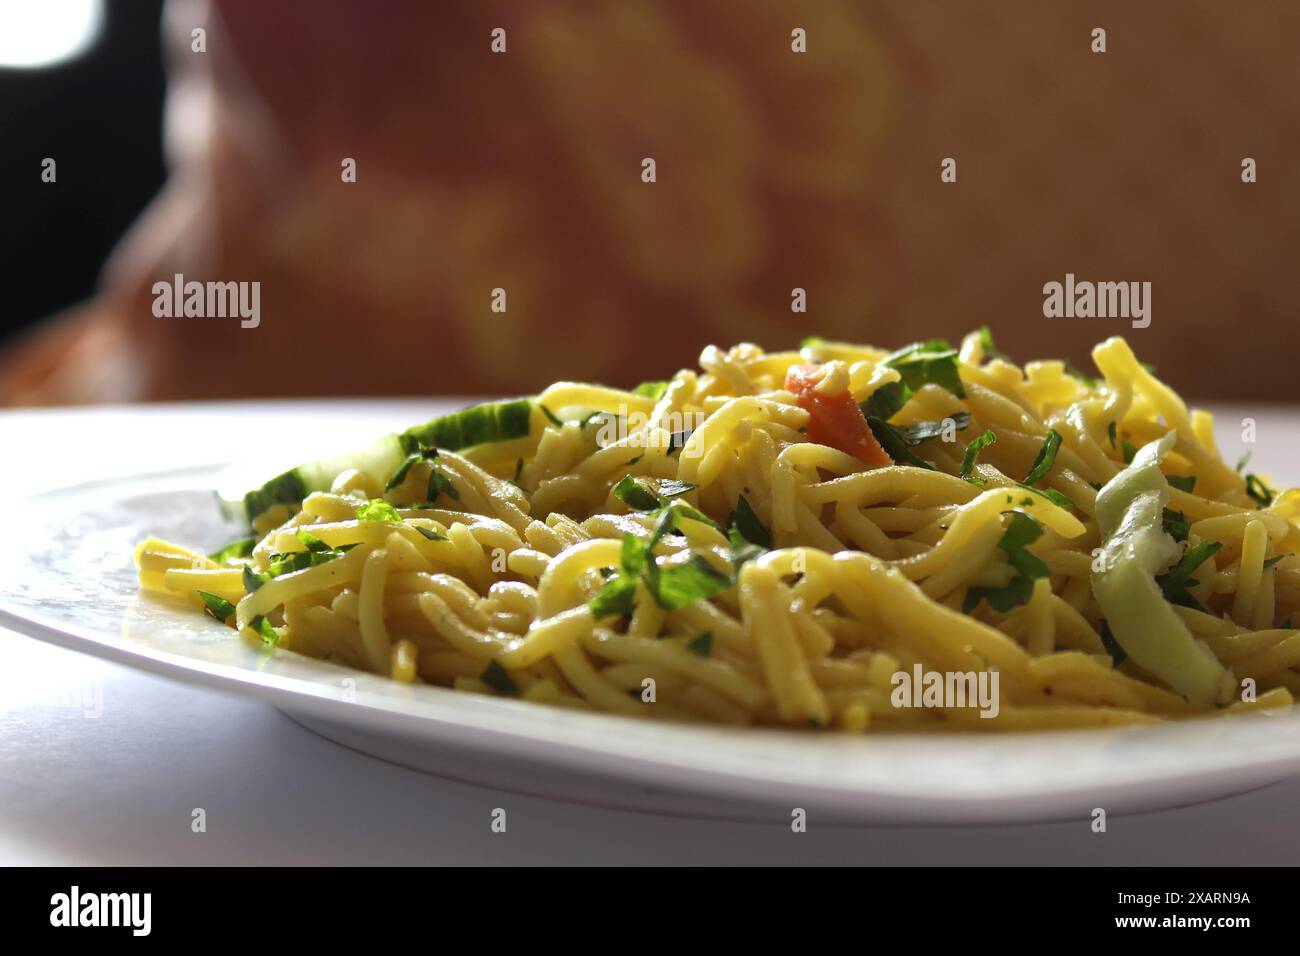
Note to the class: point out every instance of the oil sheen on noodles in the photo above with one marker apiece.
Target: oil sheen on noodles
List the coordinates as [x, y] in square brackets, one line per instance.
[737, 545]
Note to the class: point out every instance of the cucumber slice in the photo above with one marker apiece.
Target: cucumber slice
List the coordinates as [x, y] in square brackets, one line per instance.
[289, 488]
[476, 425]
[651, 390]
[1134, 548]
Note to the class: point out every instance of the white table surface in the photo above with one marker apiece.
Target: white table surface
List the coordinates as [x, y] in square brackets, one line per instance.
[100, 764]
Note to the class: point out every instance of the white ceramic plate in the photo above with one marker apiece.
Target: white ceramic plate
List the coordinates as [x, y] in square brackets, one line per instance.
[66, 577]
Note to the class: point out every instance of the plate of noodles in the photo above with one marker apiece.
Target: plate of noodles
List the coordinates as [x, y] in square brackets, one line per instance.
[926, 584]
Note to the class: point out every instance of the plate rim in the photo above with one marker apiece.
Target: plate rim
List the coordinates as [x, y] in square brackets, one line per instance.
[443, 726]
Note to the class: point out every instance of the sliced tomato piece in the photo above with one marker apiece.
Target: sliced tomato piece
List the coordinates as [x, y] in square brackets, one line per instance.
[834, 420]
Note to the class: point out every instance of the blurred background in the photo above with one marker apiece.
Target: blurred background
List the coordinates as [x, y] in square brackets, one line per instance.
[522, 171]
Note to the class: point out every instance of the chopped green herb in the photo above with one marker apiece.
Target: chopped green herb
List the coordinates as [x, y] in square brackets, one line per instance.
[429, 533]
[695, 514]
[1127, 451]
[1275, 559]
[1244, 460]
[928, 363]
[666, 525]
[701, 645]
[636, 555]
[977, 444]
[519, 469]
[1052, 495]
[895, 445]
[1182, 482]
[684, 584]
[377, 509]
[1112, 430]
[672, 488]
[254, 579]
[403, 469]
[234, 551]
[1176, 582]
[264, 629]
[616, 596]
[742, 552]
[550, 417]
[886, 401]
[317, 552]
[287, 563]
[1021, 532]
[928, 346]
[747, 525]
[748, 537]
[311, 542]
[1175, 524]
[636, 495]
[440, 484]
[291, 561]
[924, 431]
[217, 606]
[671, 587]
[1259, 492]
[986, 343]
[1042, 464]
[1045, 458]
[651, 390]
[499, 679]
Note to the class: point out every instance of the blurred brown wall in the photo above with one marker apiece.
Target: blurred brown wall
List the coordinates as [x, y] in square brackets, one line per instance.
[775, 170]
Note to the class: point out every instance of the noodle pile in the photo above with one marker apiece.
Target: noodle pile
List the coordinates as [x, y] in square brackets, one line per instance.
[744, 574]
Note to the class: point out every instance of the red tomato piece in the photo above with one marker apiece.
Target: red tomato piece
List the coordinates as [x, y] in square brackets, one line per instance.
[835, 420]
